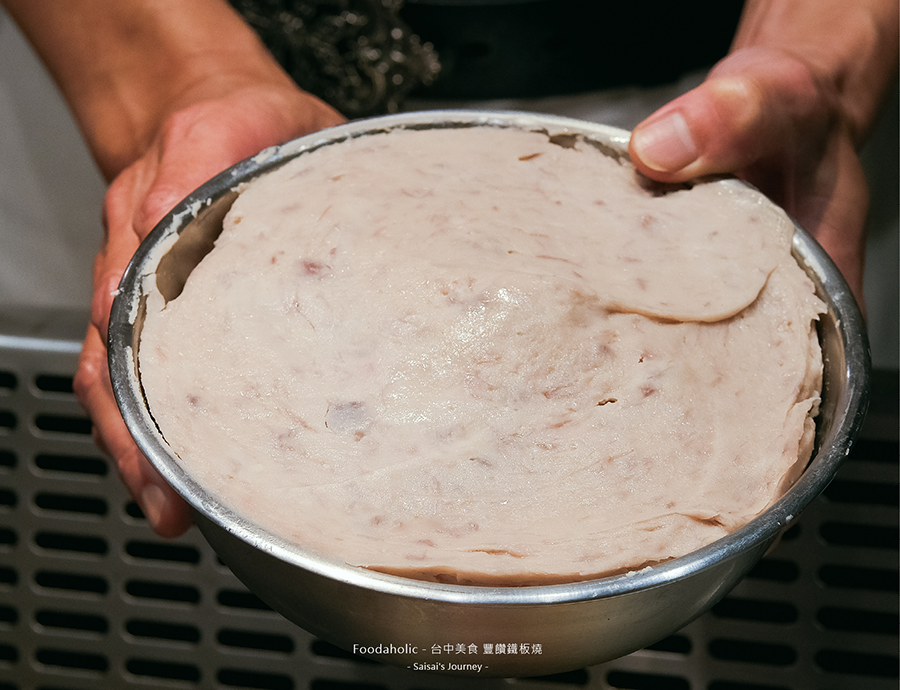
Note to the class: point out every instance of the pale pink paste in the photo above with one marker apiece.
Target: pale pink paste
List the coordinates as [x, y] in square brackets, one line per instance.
[475, 356]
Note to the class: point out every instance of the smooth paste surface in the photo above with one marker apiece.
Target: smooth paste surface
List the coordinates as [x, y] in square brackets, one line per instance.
[478, 356]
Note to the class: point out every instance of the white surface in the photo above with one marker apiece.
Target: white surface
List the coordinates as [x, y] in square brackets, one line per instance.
[51, 192]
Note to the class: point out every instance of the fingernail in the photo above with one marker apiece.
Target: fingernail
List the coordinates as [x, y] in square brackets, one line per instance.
[152, 503]
[665, 145]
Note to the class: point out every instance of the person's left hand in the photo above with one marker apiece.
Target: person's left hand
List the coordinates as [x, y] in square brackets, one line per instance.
[193, 144]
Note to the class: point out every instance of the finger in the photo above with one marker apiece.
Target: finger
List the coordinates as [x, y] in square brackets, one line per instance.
[165, 510]
[119, 245]
[749, 108]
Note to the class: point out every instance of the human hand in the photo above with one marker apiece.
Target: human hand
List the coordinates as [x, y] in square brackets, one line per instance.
[787, 110]
[192, 145]
[166, 94]
[763, 115]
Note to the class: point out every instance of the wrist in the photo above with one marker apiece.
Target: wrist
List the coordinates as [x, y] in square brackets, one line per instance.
[129, 100]
[126, 66]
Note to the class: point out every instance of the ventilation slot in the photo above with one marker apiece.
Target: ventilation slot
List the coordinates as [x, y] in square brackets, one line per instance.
[154, 551]
[8, 654]
[753, 652]
[255, 640]
[163, 670]
[756, 610]
[8, 381]
[8, 615]
[63, 424]
[852, 577]
[241, 599]
[74, 543]
[860, 536]
[774, 570]
[876, 450]
[64, 659]
[729, 685]
[8, 421]
[72, 464]
[163, 631]
[646, 681]
[72, 621]
[858, 663]
[853, 620]
[8, 499]
[8, 538]
[234, 678]
[50, 383]
[7, 459]
[71, 582]
[159, 591]
[674, 644]
[579, 677]
[866, 493]
[65, 503]
[319, 684]
[133, 510]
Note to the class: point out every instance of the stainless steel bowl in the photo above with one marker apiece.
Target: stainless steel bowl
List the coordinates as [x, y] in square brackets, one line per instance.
[421, 625]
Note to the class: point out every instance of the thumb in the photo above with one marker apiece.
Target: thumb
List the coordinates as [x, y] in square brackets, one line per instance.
[750, 108]
[763, 116]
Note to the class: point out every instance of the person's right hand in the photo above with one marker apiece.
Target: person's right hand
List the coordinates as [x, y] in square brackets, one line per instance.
[192, 145]
[787, 111]
[763, 116]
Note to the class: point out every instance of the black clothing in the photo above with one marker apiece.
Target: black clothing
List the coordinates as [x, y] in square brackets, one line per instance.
[365, 56]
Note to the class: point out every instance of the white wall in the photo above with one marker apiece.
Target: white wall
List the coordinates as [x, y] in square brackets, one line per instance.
[50, 190]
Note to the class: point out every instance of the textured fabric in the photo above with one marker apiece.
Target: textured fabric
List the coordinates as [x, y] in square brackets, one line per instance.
[357, 55]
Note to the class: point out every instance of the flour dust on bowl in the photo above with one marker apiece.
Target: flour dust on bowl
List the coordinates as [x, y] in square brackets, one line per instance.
[447, 487]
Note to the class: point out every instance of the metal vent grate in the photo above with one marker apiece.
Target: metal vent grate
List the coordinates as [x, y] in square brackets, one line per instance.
[90, 598]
